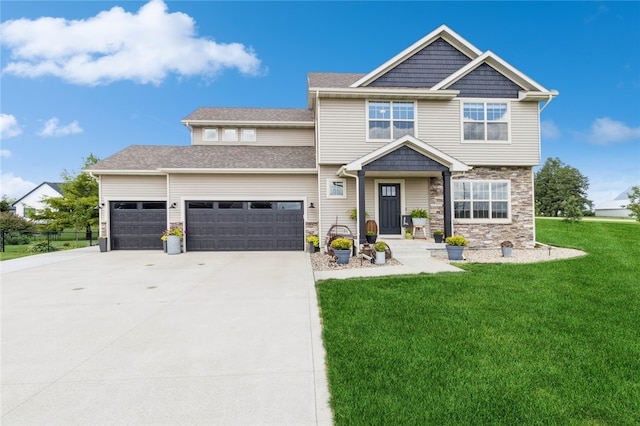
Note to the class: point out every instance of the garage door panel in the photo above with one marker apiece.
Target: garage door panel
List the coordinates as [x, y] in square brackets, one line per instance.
[137, 225]
[245, 225]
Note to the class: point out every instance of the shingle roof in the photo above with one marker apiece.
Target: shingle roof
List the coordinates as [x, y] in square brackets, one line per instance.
[251, 114]
[332, 79]
[144, 157]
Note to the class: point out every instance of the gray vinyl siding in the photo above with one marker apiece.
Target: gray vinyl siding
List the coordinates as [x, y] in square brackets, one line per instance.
[342, 130]
[486, 82]
[235, 187]
[264, 136]
[424, 69]
[133, 188]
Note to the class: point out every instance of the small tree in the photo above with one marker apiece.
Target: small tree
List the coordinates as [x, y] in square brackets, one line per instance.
[573, 209]
[555, 184]
[634, 202]
[76, 207]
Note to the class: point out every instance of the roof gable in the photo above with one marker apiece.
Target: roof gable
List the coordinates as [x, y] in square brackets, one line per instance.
[443, 32]
[53, 185]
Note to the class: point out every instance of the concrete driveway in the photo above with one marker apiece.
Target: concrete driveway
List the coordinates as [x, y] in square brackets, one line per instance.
[144, 338]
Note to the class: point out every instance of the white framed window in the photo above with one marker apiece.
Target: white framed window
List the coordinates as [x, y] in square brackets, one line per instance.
[248, 135]
[485, 121]
[229, 135]
[482, 200]
[210, 134]
[387, 120]
[336, 188]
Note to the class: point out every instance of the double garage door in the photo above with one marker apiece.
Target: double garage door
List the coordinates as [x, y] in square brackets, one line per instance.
[211, 225]
[245, 225]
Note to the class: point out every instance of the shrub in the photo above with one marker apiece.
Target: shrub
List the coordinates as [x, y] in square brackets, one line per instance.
[314, 239]
[456, 240]
[12, 222]
[380, 246]
[419, 213]
[40, 247]
[506, 244]
[17, 238]
[341, 244]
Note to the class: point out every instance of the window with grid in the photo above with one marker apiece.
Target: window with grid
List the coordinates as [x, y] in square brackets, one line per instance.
[481, 199]
[485, 121]
[390, 120]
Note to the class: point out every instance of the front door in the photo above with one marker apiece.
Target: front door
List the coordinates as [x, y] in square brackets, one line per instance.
[389, 214]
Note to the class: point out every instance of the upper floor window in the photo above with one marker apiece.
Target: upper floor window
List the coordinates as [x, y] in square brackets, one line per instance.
[485, 121]
[210, 134]
[229, 135]
[248, 135]
[390, 120]
[481, 199]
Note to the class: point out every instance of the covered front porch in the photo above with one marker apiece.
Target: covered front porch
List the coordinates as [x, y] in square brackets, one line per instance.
[401, 176]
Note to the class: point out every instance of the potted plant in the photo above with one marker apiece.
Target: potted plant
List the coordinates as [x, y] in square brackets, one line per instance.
[408, 235]
[438, 236]
[455, 246]
[353, 214]
[342, 249]
[419, 217]
[314, 243]
[174, 237]
[507, 248]
[102, 243]
[380, 248]
[371, 237]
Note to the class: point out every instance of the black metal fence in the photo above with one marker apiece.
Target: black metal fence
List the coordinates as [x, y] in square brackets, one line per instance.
[47, 240]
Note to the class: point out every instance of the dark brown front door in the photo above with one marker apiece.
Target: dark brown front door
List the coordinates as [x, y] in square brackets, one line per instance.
[389, 202]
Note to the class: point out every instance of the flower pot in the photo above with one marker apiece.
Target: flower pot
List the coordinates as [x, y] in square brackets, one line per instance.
[455, 252]
[164, 245]
[312, 248]
[419, 221]
[102, 243]
[438, 238]
[507, 251]
[343, 256]
[371, 239]
[380, 257]
[173, 244]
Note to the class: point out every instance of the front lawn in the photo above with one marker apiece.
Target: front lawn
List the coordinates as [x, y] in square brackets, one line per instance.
[547, 343]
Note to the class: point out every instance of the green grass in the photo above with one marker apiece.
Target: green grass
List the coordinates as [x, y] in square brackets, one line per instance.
[66, 241]
[503, 344]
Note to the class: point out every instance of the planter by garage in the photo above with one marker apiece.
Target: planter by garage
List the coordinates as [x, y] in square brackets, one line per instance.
[455, 252]
[173, 244]
[342, 256]
[102, 243]
[312, 248]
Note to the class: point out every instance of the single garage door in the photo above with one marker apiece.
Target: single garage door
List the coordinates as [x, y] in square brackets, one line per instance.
[137, 225]
[245, 225]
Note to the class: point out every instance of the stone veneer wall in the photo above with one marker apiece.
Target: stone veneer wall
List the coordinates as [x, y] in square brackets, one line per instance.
[436, 204]
[521, 230]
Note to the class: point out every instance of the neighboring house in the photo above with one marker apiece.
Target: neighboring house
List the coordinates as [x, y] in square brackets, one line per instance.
[441, 126]
[30, 203]
[615, 207]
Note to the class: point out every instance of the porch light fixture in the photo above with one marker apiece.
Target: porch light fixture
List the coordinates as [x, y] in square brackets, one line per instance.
[311, 206]
[99, 206]
[173, 206]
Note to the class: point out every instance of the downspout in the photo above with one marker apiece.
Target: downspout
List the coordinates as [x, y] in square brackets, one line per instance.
[343, 172]
[100, 211]
[546, 104]
[317, 142]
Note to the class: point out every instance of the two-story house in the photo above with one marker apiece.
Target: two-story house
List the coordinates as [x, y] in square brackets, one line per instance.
[441, 126]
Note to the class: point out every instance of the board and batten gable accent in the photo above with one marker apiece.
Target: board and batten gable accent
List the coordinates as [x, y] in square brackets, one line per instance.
[241, 187]
[425, 68]
[264, 136]
[133, 188]
[404, 159]
[486, 82]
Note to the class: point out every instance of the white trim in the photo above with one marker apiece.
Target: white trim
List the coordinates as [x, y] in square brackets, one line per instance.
[376, 183]
[442, 31]
[245, 123]
[500, 65]
[239, 171]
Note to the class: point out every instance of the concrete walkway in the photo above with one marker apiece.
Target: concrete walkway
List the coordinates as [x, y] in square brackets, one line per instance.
[146, 338]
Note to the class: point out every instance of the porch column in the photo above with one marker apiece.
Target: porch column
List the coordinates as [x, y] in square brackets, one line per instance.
[448, 224]
[361, 209]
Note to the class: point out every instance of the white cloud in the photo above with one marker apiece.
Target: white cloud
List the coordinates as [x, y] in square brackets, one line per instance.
[14, 186]
[118, 45]
[549, 130]
[5, 153]
[605, 131]
[52, 129]
[9, 126]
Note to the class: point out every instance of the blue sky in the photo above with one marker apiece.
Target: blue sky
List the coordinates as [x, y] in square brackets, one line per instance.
[98, 76]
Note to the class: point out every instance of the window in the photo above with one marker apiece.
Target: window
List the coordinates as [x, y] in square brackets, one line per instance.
[248, 135]
[29, 212]
[229, 135]
[390, 120]
[481, 199]
[336, 188]
[485, 121]
[210, 134]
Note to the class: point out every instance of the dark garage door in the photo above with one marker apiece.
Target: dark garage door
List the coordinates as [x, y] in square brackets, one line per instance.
[137, 225]
[245, 225]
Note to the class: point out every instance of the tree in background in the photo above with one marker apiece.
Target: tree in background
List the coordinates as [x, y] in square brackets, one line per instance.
[634, 202]
[77, 207]
[561, 191]
[5, 203]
